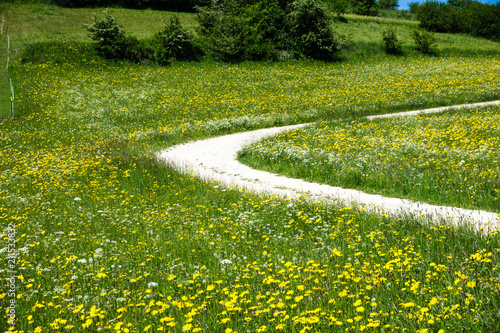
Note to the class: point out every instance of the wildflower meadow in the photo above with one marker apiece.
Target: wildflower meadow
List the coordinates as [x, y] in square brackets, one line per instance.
[99, 236]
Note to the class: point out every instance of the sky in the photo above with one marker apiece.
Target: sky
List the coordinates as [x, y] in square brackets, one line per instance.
[403, 4]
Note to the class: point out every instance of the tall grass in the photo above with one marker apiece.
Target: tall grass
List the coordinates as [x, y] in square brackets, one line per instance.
[109, 239]
[5, 93]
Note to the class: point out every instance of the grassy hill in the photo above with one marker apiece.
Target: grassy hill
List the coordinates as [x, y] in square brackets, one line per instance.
[109, 239]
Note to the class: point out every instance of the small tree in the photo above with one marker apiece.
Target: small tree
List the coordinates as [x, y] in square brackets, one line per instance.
[424, 41]
[388, 4]
[391, 43]
[413, 6]
[362, 7]
[339, 7]
[110, 37]
[310, 23]
[174, 42]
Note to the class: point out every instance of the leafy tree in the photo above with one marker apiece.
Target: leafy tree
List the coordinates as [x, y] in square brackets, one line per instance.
[388, 4]
[339, 7]
[174, 43]
[460, 3]
[310, 23]
[392, 44]
[424, 41]
[362, 7]
[413, 6]
[110, 37]
[264, 29]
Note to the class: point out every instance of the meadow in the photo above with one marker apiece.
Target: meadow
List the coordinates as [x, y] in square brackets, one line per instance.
[110, 240]
[448, 159]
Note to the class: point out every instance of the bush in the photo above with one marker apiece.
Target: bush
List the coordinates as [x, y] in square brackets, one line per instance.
[438, 17]
[174, 43]
[391, 43]
[310, 23]
[463, 16]
[339, 7]
[362, 7]
[388, 4]
[482, 20]
[267, 29]
[110, 37]
[424, 41]
[413, 6]
[223, 32]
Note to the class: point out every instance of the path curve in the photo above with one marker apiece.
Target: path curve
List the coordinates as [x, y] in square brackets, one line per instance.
[215, 160]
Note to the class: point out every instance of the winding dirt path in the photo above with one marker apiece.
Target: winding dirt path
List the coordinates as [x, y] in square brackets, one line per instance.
[215, 160]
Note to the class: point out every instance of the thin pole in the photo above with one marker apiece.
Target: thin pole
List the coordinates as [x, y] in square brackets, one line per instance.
[12, 99]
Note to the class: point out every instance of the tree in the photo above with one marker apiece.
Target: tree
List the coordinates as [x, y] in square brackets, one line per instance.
[388, 4]
[110, 37]
[362, 7]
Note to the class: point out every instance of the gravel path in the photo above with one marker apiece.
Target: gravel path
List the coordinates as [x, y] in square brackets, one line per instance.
[215, 160]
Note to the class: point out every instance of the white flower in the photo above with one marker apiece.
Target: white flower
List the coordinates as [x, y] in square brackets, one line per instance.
[77, 199]
[82, 261]
[152, 284]
[226, 262]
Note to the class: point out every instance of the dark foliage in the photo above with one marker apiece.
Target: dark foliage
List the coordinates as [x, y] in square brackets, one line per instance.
[460, 16]
[388, 4]
[424, 41]
[392, 45]
[362, 7]
[174, 43]
[267, 29]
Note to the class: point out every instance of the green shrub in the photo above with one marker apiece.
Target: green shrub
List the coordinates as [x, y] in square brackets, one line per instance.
[174, 43]
[482, 20]
[424, 41]
[362, 7]
[438, 17]
[338, 7]
[267, 29]
[392, 45]
[110, 38]
[464, 16]
[311, 25]
[413, 6]
[223, 32]
[388, 4]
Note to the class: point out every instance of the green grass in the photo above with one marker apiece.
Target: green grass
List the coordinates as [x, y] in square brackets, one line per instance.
[5, 93]
[447, 159]
[31, 23]
[363, 35]
[111, 240]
